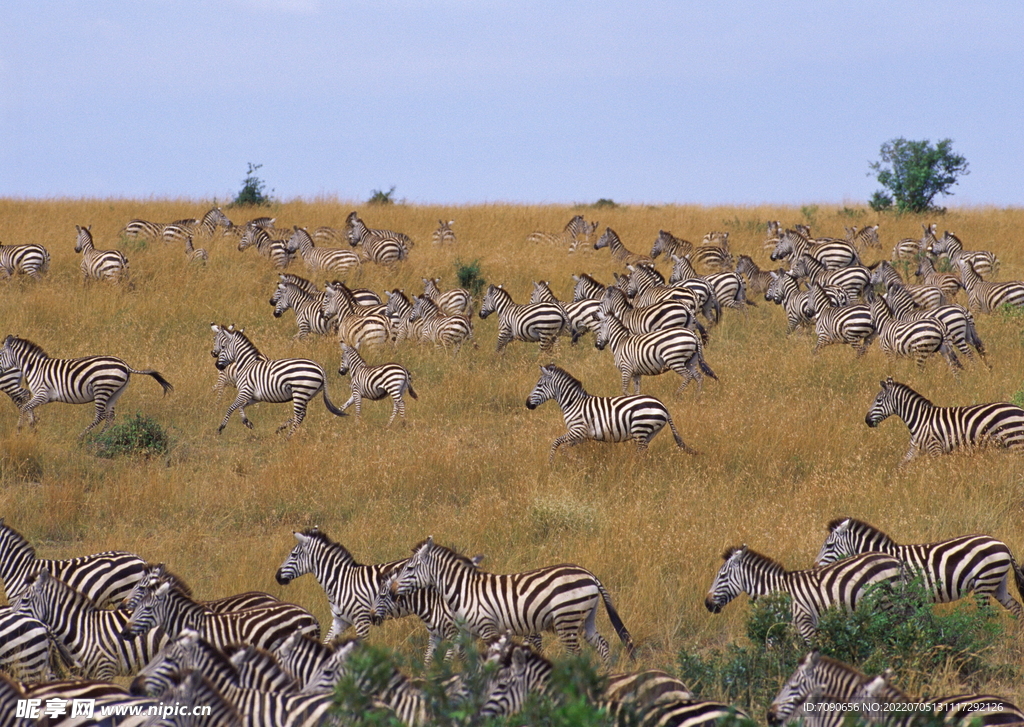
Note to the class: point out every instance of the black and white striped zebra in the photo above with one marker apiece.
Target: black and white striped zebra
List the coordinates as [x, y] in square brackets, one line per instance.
[261, 379]
[851, 324]
[757, 280]
[375, 382]
[951, 569]
[358, 324]
[729, 288]
[984, 263]
[90, 636]
[882, 703]
[585, 287]
[647, 287]
[576, 232]
[855, 279]
[924, 296]
[398, 310]
[666, 314]
[104, 578]
[273, 248]
[93, 379]
[651, 354]
[110, 265]
[989, 297]
[10, 384]
[31, 259]
[671, 245]
[182, 230]
[319, 259]
[444, 234]
[350, 586]
[920, 338]
[598, 418]
[383, 247]
[194, 254]
[24, 646]
[198, 703]
[309, 315]
[304, 657]
[865, 237]
[833, 254]
[438, 327]
[817, 678]
[457, 301]
[158, 573]
[841, 584]
[560, 598]
[619, 251]
[713, 253]
[581, 314]
[784, 290]
[958, 320]
[537, 322]
[941, 430]
[949, 283]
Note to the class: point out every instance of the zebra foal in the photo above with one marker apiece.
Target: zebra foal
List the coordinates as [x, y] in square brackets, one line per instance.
[375, 382]
[109, 265]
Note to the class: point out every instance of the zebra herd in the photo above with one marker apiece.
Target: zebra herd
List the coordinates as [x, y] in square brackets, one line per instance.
[256, 660]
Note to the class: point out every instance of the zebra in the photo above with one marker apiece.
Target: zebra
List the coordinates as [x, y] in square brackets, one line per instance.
[436, 326]
[988, 297]
[142, 229]
[24, 646]
[559, 598]
[602, 419]
[671, 245]
[585, 287]
[941, 430]
[714, 258]
[576, 232]
[375, 382]
[383, 247]
[974, 709]
[109, 265]
[10, 384]
[855, 279]
[924, 296]
[910, 248]
[833, 254]
[309, 315]
[398, 312]
[729, 288]
[784, 290]
[304, 657]
[917, 338]
[274, 248]
[444, 234]
[646, 286]
[814, 591]
[666, 314]
[537, 322]
[193, 254]
[104, 578]
[453, 302]
[619, 251]
[949, 283]
[350, 586]
[957, 319]
[757, 280]
[97, 379]
[92, 638]
[158, 573]
[651, 354]
[865, 237]
[951, 569]
[31, 259]
[834, 324]
[198, 703]
[984, 263]
[206, 227]
[581, 314]
[358, 324]
[168, 609]
[260, 379]
[320, 258]
[817, 678]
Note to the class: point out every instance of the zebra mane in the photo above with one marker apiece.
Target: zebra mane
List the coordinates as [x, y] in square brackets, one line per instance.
[754, 557]
[218, 657]
[832, 664]
[176, 581]
[859, 526]
[456, 555]
[889, 383]
[15, 538]
[78, 599]
[325, 541]
[27, 346]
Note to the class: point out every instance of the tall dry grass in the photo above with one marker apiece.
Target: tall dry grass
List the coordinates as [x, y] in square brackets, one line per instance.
[782, 437]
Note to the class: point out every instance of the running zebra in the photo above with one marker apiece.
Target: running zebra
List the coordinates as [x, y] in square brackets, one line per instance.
[814, 591]
[181, 230]
[919, 339]
[646, 287]
[951, 569]
[560, 598]
[576, 232]
[979, 710]
[309, 315]
[833, 254]
[274, 248]
[142, 230]
[32, 260]
[602, 419]
[437, 327]
[989, 297]
[110, 265]
[156, 574]
[320, 258]
[619, 251]
[383, 247]
[849, 324]
[104, 578]
[358, 324]
[581, 314]
[350, 586]
[855, 279]
[651, 354]
[984, 263]
[398, 310]
[924, 296]
[949, 283]
[941, 430]
[729, 288]
[457, 301]
[666, 314]
[757, 280]
[784, 290]
[260, 379]
[98, 379]
[957, 319]
[537, 322]
[444, 234]
[670, 245]
[375, 382]
[713, 253]
[24, 646]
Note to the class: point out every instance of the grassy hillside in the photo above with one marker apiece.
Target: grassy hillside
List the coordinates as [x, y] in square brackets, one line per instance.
[783, 443]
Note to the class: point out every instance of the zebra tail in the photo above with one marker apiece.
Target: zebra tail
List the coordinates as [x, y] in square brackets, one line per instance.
[330, 406]
[1018, 576]
[409, 388]
[706, 369]
[159, 379]
[620, 628]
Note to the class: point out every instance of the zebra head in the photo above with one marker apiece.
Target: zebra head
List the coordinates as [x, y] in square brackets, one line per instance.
[150, 612]
[224, 344]
[39, 598]
[333, 669]
[161, 673]
[802, 687]
[8, 359]
[152, 575]
[84, 239]
[783, 248]
[730, 582]
[520, 670]
[885, 402]
[383, 605]
[493, 299]
[545, 388]
[350, 359]
[606, 239]
[418, 570]
[839, 543]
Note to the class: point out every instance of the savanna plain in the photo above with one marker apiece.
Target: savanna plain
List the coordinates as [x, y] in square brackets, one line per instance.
[783, 447]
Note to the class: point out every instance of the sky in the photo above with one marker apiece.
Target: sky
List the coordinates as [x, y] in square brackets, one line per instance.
[473, 101]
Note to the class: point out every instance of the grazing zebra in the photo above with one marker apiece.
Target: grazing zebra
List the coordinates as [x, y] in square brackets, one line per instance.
[31, 259]
[24, 646]
[989, 297]
[599, 418]
[309, 315]
[98, 379]
[924, 296]
[833, 254]
[865, 237]
[193, 254]
[850, 324]
[274, 248]
[979, 710]
[666, 314]
[375, 382]
[919, 339]
[437, 327]
[651, 354]
[855, 279]
[537, 322]
[619, 252]
[670, 245]
[104, 578]
[984, 263]
[757, 280]
[91, 637]
[577, 231]
[840, 584]
[260, 379]
[940, 430]
[581, 314]
[320, 258]
[383, 247]
[166, 608]
[350, 586]
[182, 230]
[444, 234]
[358, 324]
[957, 319]
[109, 265]
[560, 598]
[949, 283]
[951, 569]
[453, 302]
[156, 574]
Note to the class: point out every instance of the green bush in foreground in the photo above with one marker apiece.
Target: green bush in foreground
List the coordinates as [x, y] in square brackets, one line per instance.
[139, 435]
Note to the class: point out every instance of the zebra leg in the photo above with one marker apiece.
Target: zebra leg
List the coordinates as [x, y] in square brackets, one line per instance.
[397, 408]
[242, 400]
[110, 404]
[29, 406]
[572, 438]
[298, 414]
[504, 336]
[1002, 594]
[593, 637]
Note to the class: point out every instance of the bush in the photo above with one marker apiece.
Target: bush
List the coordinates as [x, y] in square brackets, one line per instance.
[914, 172]
[380, 198]
[253, 189]
[469, 276]
[139, 435]
[604, 203]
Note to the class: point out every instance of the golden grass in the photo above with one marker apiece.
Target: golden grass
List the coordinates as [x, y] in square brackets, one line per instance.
[782, 435]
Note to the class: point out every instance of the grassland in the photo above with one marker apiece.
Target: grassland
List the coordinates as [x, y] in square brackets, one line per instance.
[782, 437]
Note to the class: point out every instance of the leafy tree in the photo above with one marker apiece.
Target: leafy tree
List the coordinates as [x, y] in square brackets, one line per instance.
[253, 192]
[914, 172]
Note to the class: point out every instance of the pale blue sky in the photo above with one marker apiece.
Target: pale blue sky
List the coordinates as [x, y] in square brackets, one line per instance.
[458, 101]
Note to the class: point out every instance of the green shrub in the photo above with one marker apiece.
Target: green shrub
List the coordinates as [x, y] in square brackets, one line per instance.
[604, 203]
[810, 213]
[139, 435]
[1018, 399]
[253, 192]
[469, 276]
[914, 172]
[852, 213]
[379, 197]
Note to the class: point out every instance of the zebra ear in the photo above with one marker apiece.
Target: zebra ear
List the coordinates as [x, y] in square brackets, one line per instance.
[301, 537]
[213, 327]
[477, 560]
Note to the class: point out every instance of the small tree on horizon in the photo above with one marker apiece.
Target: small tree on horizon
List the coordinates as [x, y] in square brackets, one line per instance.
[914, 172]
